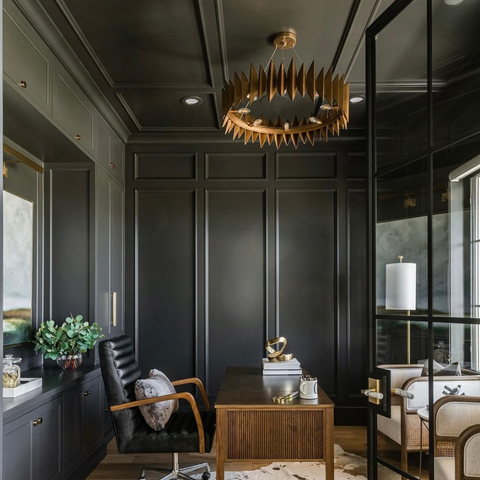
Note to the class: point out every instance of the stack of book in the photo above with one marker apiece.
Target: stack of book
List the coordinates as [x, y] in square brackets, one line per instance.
[290, 367]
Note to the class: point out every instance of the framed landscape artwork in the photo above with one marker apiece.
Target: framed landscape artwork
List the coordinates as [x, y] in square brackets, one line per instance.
[17, 269]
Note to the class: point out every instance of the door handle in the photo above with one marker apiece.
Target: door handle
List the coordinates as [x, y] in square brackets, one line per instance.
[403, 393]
[38, 421]
[373, 392]
[114, 309]
[87, 393]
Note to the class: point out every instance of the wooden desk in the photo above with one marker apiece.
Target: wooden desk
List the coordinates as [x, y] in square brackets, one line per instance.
[251, 427]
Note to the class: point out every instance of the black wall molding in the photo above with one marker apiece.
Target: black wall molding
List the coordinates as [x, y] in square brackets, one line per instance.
[218, 263]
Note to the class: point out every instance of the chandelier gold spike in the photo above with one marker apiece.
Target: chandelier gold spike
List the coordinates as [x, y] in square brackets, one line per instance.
[331, 92]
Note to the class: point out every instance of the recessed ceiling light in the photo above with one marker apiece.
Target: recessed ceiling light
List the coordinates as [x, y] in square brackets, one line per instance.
[453, 2]
[191, 101]
[357, 100]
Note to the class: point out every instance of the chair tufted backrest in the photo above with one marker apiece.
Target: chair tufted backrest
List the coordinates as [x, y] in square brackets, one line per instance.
[120, 372]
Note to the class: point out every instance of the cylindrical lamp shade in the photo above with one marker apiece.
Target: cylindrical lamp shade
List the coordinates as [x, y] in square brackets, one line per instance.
[401, 286]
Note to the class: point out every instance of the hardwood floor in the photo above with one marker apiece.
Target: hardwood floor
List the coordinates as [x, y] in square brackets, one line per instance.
[128, 467]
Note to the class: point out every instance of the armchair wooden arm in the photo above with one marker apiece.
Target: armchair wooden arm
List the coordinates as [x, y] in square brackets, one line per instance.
[460, 460]
[200, 386]
[174, 396]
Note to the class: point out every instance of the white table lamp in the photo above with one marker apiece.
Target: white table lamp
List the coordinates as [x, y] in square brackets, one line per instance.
[401, 290]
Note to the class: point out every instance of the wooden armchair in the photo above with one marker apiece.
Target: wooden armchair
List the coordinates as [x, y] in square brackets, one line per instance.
[466, 464]
[403, 428]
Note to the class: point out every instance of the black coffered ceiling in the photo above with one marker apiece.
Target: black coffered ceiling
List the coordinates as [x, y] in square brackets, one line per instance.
[148, 54]
[143, 43]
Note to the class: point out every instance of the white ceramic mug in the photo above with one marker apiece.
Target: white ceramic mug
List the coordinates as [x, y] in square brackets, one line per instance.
[308, 389]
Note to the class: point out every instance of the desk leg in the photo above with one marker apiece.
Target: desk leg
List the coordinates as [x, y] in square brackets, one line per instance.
[329, 444]
[221, 435]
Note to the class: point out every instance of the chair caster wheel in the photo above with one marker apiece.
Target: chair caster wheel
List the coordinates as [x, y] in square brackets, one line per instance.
[206, 476]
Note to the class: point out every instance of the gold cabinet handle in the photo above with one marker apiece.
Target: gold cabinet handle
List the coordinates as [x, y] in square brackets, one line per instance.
[78, 137]
[38, 421]
[87, 393]
[23, 84]
[112, 165]
[114, 309]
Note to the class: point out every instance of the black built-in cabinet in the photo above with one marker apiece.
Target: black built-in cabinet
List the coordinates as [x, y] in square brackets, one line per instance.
[60, 431]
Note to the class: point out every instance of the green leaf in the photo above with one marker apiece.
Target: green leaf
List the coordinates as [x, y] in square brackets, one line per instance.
[50, 323]
[69, 320]
[71, 333]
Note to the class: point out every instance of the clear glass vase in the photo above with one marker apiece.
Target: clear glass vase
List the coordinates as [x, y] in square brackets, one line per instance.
[69, 362]
[11, 372]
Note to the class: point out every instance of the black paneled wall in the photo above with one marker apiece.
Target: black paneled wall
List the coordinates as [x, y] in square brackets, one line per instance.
[229, 245]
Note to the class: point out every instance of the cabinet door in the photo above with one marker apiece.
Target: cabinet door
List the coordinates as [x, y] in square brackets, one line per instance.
[83, 423]
[116, 256]
[33, 444]
[73, 110]
[103, 143]
[102, 264]
[47, 442]
[110, 150]
[73, 421]
[27, 62]
[93, 424]
[117, 158]
[17, 445]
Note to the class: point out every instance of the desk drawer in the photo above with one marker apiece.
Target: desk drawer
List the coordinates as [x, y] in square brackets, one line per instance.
[275, 434]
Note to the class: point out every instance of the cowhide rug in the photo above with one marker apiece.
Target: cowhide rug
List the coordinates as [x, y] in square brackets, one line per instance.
[347, 467]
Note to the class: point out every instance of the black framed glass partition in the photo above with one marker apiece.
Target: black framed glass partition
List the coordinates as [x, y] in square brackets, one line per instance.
[423, 103]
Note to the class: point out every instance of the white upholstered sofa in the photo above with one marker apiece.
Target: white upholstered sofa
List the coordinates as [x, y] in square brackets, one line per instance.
[403, 428]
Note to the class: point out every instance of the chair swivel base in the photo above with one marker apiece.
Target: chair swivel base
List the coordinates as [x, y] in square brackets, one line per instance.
[176, 471]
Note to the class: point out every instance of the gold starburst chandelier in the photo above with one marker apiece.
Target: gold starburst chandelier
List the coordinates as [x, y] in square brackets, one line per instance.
[330, 94]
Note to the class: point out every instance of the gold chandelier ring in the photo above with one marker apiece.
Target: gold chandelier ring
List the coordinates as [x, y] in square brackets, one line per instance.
[272, 130]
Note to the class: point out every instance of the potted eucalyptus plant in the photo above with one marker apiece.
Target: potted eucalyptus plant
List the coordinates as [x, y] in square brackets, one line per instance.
[67, 343]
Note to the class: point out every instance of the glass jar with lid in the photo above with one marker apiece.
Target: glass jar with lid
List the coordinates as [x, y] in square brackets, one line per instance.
[11, 371]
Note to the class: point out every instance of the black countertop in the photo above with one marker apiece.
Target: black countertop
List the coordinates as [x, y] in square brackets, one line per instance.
[54, 382]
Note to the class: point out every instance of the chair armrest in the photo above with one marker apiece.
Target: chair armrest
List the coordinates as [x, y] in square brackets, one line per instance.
[453, 414]
[174, 396]
[467, 461]
[399, 374]
[200, 386]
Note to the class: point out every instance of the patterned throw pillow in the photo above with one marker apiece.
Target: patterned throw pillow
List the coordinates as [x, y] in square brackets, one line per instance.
[452, 370]
[157, 384]
[453, 390]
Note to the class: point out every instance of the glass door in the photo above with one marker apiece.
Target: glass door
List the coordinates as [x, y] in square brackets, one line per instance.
[423, 101]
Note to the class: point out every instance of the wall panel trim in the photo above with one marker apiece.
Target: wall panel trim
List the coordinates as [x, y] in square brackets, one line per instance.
[208, 191]
[337, 317]
[137, 192]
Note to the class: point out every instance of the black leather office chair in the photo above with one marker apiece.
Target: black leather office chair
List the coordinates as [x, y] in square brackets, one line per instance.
[185, 432]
